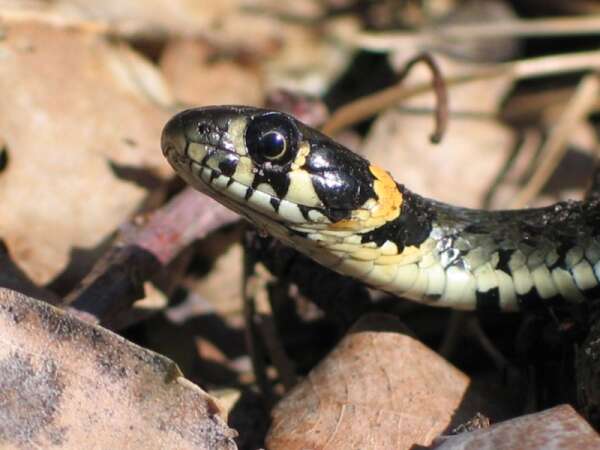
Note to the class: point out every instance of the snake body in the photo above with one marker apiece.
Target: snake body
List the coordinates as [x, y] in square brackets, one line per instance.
[350, 215]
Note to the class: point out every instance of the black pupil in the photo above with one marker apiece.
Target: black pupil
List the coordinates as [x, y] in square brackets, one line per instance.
[272, 144]
[272, 138]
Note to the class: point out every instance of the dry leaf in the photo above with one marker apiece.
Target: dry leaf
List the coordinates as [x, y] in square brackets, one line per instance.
[287, 38]
[12, 277]
[196, 80]
[81, 124]
[68, 384]
[379, 389]
[150, 18]
[222, 287]
[557, 428]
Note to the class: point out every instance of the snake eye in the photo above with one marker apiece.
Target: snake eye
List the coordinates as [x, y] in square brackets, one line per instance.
[272, 145]
[272, 138]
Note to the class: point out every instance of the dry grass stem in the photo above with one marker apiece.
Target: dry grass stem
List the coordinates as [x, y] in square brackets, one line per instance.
[265, 326]
[562, 26]
[578, 108]
[367, 106]
[54, 19]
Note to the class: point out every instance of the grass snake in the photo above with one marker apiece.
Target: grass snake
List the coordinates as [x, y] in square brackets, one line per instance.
[334, 206]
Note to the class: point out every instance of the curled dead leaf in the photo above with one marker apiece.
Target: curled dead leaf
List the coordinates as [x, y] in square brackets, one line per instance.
[379, 389]
[558, 427]
[65, 383]
[80, 117]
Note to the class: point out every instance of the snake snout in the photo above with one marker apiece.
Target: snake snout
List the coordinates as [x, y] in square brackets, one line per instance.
[173, 141]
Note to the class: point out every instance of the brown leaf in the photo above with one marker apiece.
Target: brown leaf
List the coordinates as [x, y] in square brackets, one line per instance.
[13, 278]
[81, 128]
[556, 428]
[222, 286]
[150, 18]
[379, 389]
[197, 80]
[65, 383]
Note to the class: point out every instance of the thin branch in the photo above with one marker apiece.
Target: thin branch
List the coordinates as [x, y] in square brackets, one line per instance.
[441, 94]
[254, 345]
[116, 280]
[370, 105]
[55, 19]
[555, 147]
[547, 27]
[265, 326]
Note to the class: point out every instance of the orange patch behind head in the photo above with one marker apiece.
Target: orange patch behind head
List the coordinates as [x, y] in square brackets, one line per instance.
[386, 208]
[390, 198]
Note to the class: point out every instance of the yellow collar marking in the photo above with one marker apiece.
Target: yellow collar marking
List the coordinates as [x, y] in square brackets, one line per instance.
[390, 198]
[386, 208]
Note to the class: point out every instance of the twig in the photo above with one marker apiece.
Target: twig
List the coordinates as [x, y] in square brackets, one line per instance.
[553, 65]
[441, 94]
[555, 147]
[366, 107]
[263, 320]
[253, 345]
[55, 19]
[116, 280]
[369, 105]
[562, 26]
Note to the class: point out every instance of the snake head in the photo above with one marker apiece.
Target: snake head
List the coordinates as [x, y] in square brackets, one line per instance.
[266, 163]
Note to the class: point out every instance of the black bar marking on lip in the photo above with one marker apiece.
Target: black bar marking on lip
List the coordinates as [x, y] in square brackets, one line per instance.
[205, 159]
[227, 166]
[279, 181]
[275, 202]
[249, 193]
[304, 210]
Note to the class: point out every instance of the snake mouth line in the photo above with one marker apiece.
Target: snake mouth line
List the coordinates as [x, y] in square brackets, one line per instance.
[203, 162]
[243, 197]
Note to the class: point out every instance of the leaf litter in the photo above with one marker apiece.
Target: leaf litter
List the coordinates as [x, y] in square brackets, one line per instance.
[92, 222]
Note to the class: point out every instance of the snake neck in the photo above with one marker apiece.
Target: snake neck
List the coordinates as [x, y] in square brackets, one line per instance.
[472, 259]
[350, 215]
